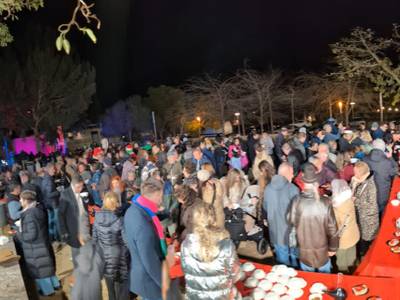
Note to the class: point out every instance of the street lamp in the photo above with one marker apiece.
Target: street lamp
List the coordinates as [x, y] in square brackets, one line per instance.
[352, 109]
[237, 115]
[340, 103]
[198, 118]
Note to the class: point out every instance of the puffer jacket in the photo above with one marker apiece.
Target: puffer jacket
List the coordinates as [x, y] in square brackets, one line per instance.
[107, 234]
[384, 170]
[366, 207]
[316, 228]
[209, 280]
[36, 247]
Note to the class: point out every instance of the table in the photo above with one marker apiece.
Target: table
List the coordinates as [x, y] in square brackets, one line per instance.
[11, 281]
[379, 260]
[387, 288]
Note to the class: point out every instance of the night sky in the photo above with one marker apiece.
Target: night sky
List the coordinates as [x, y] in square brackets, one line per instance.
[151, 42]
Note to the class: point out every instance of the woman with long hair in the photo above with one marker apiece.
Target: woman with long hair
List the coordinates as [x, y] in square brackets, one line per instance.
[261, 155]
[107, 235]
[235, 185]
[117, 186]
[208, 257]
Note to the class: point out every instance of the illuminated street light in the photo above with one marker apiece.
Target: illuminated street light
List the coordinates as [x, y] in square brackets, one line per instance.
[378, 110]
[352, 103]
[198, 119]
[340, 103]
[389, 109]
[237, 115]
[396, 109]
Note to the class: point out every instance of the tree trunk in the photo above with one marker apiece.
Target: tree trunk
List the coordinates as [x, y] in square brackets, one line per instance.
[330, 109]
[261, 113]
[271, 120]
[381, 106]
[292, 109]
[243, 125]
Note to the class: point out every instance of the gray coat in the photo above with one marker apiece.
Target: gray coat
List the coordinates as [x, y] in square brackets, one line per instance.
[209, 280]
[88, 274]
[107, 234]
[278, 197]
[384, 170]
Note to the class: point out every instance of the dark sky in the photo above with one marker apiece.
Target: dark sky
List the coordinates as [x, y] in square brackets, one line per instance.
[151, 42]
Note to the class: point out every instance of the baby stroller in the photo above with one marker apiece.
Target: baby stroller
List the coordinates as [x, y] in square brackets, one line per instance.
[235, 225]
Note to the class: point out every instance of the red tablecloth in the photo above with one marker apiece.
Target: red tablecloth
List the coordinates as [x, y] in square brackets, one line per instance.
[386, 288]
[379, 260]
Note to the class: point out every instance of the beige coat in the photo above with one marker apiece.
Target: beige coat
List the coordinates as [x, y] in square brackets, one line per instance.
[345, 213]
[259, 158]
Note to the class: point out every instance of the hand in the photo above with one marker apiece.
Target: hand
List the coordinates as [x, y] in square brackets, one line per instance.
[81, 240]
[165, 281]
[170, 258]
[331, 254]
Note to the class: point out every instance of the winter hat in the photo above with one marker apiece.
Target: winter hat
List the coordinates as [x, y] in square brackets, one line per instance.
[309, 173]
[203, 175]
[147, 147]
[97, 151]
[303, 130]
[379, 144]
[374, 126]
[129, 149]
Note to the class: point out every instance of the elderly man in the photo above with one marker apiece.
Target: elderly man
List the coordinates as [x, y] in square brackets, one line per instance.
[278, 197]
[315, 224]
[384, 169]
[345, 141]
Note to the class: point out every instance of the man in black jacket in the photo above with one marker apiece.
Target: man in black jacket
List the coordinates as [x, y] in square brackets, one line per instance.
[51, 197]
[73, 216]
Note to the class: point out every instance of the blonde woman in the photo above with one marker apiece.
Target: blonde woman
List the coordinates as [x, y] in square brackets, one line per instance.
[107, 234]
[209, 259]
[345, 214]
[235, 184]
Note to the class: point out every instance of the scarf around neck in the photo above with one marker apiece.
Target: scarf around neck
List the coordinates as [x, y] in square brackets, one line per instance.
[151, 209]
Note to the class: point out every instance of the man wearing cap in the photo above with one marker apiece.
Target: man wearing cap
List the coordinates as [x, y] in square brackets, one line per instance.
[314, 221]
[344, 141]
[384, 169]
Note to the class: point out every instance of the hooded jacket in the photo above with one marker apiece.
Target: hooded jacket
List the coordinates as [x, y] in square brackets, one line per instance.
[278, 197]
[316, 228]
[34, 238]
[384, 170]
[107, 234]
[209, 280]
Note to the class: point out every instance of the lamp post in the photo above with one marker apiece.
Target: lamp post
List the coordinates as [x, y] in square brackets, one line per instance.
[352, 109]
[198, 118]
[237, 115]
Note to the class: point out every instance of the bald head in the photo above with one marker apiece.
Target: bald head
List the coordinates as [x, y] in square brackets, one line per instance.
[286, 170]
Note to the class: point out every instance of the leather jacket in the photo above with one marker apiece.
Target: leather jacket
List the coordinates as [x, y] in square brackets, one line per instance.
[316, 228]
[209, 280]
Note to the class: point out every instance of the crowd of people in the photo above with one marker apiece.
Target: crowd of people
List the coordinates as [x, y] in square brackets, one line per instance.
[315, 195]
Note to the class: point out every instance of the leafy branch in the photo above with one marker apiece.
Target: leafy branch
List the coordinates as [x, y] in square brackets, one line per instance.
[83, 9]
